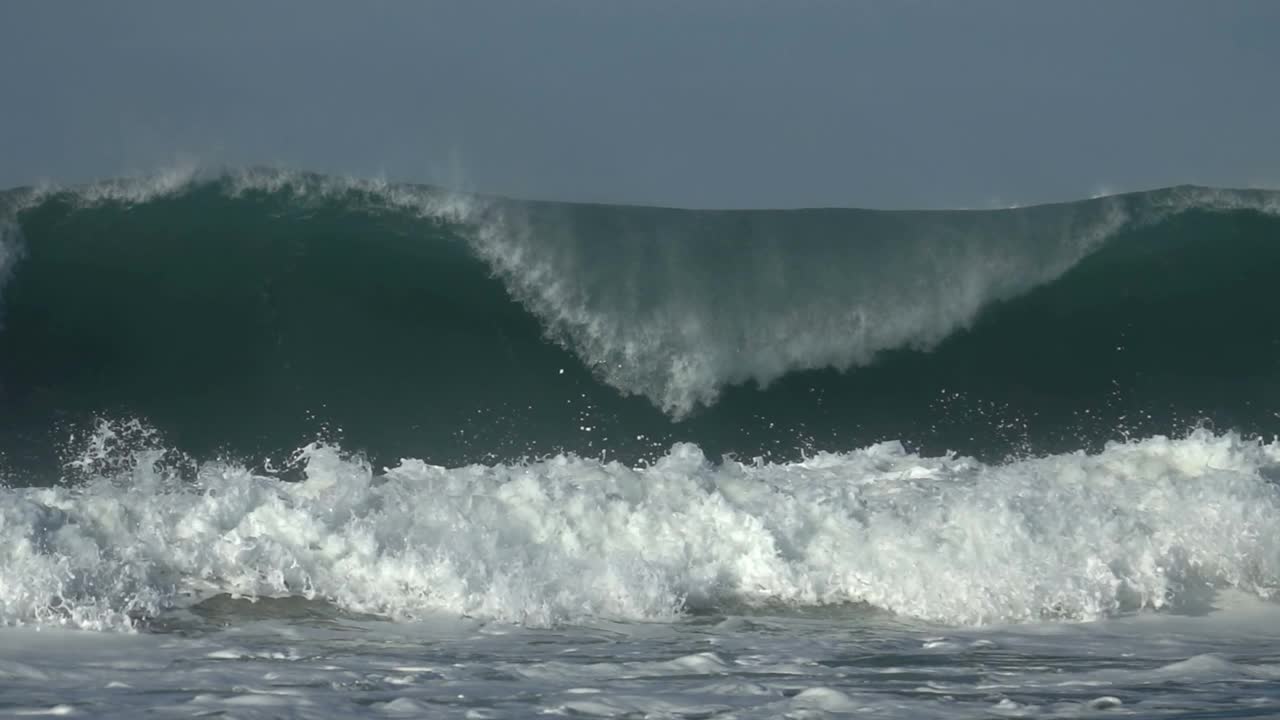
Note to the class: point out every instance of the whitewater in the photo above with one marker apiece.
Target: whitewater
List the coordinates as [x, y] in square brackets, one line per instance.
[275, 444]
[874, 582]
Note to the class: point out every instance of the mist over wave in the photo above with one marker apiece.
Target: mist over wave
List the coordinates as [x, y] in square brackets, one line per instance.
[677, 305]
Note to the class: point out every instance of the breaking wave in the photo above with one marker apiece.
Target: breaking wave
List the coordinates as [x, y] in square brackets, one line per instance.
[246, 312]
[1153, 524]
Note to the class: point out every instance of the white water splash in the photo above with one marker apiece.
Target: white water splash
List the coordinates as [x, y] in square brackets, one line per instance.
[423, 201]
[1150, 524]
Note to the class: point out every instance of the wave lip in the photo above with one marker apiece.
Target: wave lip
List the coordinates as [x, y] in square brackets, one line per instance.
[678, 305]
[1152, 524]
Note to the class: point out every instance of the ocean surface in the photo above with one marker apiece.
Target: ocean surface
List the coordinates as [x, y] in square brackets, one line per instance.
[277, 444]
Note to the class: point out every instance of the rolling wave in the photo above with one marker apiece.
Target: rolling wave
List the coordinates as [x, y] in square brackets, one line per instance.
[244, 312]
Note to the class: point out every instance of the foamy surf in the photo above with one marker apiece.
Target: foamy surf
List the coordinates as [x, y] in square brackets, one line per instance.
[1146, 525]
[1218, 665]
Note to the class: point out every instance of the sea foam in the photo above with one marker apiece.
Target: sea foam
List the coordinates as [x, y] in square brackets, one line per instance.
[1152, 524]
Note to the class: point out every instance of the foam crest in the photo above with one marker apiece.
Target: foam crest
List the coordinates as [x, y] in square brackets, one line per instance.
[1152, 524]
[378, 194]
[130, 191]
[374, 193]
[127, 190]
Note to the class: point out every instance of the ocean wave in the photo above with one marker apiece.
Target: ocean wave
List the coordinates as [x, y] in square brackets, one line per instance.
[468, 328]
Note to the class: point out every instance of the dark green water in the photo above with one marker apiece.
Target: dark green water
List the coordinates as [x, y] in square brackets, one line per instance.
[249, 321]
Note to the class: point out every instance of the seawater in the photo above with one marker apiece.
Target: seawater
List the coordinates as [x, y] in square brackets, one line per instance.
[286, 445]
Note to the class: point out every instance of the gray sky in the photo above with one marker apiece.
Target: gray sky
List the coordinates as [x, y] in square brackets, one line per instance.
[711, 103]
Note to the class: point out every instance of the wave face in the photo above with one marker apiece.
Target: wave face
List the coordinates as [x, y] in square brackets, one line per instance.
[1151, 524]
[246, 313]
[677, 305]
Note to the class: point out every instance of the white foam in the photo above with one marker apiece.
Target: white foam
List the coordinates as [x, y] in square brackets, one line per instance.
[379, 193]
[126, 190]
[1151, 524]
[136, 190]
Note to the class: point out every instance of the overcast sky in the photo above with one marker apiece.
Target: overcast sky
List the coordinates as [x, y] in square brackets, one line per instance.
[886, 104]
